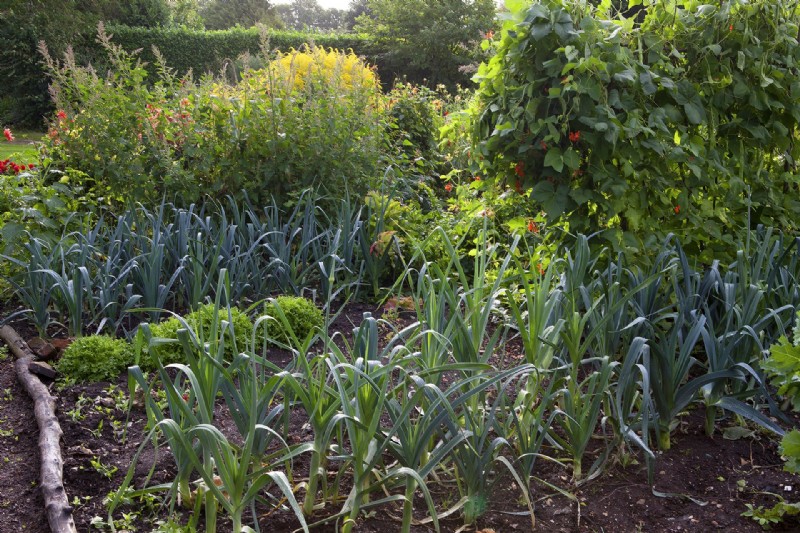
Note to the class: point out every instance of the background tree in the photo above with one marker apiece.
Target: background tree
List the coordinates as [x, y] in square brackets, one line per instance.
[355, 10]
[185, 13]
[309, 15]
[223, 14]
[433, 40]
[139, 13]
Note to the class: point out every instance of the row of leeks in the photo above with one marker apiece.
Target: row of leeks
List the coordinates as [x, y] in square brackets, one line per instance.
[612, 353]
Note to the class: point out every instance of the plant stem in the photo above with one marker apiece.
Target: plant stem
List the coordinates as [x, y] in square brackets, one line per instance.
[576, 469]
[711, 418]
[408, 504]
[664, 442]
[313, 478]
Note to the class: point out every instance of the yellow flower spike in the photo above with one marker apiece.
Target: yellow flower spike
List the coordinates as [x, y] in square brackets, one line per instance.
[331, 70]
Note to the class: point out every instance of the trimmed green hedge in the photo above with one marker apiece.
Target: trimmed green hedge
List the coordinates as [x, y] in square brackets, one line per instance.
[206, 51]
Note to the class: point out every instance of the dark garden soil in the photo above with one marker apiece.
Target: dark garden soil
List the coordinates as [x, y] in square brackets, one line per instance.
[711, 480]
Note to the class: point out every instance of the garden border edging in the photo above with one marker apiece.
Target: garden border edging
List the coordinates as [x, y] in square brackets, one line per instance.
[57, 507]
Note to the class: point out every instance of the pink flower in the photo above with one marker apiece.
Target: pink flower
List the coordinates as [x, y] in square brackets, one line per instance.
[7, 133]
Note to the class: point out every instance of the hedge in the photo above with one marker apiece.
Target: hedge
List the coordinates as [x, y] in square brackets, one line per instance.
[207, 51]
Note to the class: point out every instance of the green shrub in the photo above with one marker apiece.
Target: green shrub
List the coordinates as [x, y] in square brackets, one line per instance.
[621, 127]
[258, 138]
[200, 320]
[96, 358]
[783, 367]
[301, 315]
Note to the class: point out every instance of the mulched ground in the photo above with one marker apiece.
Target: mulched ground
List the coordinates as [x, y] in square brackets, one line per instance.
[720, 475]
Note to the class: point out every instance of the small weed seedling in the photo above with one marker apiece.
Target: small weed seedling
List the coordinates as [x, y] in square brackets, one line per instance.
[100, 468]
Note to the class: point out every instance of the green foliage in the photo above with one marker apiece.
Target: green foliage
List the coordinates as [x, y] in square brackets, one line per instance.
[302, 318]
[39, 202]
[304, 15]
[783, 368]
[770, 516]
[96, 358]
[200, 320]
[260, 138]
[142, 13]
[428, 39]
[622, 127]
[221, 14]
[25, 24]
[212, 51]
[790, 450]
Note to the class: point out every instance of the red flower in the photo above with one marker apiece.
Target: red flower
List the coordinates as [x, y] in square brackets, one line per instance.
[519, 170]
[477, 178]
[489, 35]
[185, 396]
[730, 28]
[574, 136]
[61, 114]
[31, 166]
[543, 145]
[540, 268]
[7, 133]
[448, 187]
[518, 187]
[677, 209]
[533, 227]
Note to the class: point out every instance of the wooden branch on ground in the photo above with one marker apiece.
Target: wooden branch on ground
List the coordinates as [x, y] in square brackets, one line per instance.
[57, 507]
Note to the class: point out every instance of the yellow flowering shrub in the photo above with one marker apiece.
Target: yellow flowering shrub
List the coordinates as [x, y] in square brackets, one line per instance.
[318, 68]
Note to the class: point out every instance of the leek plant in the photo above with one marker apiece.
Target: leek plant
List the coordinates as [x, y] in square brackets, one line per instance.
[416, 416]
[476, 458]
[72, 288]
[310, 389]
[579, 403]
[33, 286]
[538, 319]
[363, 381]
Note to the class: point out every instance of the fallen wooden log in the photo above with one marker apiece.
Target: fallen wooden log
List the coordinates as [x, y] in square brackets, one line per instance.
[57, 507]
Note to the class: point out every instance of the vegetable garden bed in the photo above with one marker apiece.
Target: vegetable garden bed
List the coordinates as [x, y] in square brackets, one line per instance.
[710, 481]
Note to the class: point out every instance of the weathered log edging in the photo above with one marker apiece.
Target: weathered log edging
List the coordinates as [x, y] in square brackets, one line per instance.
[57, 507]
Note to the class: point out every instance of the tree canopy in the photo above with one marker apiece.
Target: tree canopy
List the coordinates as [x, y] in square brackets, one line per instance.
[433, 40]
